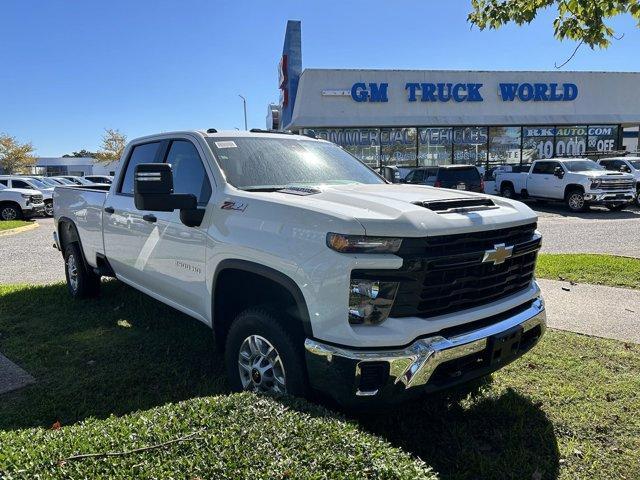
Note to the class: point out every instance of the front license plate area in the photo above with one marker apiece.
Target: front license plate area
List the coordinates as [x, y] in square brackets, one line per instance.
[503, 347]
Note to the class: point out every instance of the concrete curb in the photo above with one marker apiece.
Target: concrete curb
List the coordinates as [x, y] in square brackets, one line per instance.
[24, 228]
[12, 377]
[597, 310]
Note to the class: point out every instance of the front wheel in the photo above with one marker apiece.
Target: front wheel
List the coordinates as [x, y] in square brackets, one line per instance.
[262, 356]
[48, 209]
[10, 212]
[82, 282]
[575, 201]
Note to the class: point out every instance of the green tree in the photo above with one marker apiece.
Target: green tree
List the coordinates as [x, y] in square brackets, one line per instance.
[15, 157]
[582, 21]
[80, 153]
[113, 143]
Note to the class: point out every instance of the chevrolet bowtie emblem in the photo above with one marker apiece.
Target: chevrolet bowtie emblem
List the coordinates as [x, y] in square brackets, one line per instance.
[498, 255]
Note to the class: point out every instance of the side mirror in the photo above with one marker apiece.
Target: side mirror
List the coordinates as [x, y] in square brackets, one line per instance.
[625, 169]
[558, 172]
[153, 191]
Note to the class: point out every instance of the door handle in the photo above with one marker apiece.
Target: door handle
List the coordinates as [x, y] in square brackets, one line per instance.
[109, 209]
[149, 218]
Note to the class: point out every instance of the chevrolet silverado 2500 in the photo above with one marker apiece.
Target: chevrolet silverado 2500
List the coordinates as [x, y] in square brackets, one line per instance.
[629, 165]
[579, 182]
[313, 272]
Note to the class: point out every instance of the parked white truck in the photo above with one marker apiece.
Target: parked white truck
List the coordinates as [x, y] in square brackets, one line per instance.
[311, 269]
[17, 203]
[579, 182]
[627, 165]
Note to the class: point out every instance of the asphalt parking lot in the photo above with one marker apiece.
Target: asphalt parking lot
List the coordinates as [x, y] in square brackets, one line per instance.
[29, 257]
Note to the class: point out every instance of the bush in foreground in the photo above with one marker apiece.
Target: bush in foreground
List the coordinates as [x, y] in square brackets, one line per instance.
[235, 436]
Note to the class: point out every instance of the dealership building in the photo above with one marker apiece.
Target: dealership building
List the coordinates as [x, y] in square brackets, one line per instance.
[431, 117]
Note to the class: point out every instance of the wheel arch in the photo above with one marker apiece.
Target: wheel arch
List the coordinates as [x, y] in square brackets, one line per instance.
[240, 284]
[10, 203]
[68, 233]
[571, 187]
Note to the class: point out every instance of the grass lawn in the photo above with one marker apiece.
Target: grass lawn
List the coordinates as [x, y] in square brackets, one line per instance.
[125, 371]
[590, 268]
[9, 224]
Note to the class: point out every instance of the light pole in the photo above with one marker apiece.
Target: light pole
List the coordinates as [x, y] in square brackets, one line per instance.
[244, 101]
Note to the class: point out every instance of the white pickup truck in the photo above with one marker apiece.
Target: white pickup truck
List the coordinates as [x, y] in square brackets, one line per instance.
[313, 272]
[579, 182]
[17, 203]
[627, 165]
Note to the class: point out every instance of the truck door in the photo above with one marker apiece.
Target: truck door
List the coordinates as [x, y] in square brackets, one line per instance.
[538, 182]
[129, 239]
[178, 260]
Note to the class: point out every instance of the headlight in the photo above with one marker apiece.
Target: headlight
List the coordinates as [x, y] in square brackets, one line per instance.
[370, 301]
[362, 244]
[595, 182]
[25, 195]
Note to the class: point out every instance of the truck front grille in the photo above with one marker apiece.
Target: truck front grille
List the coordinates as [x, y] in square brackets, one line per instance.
[616, 184]
[446, 274]
[36, 198]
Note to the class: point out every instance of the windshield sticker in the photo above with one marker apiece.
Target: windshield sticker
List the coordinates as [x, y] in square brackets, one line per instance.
[226, 144]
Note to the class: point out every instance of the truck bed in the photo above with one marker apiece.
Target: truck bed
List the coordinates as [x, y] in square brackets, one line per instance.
[83, 205]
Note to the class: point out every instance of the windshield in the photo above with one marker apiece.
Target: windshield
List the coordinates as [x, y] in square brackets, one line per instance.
[251, 163]
[50, 182]
[635, 164]
[38, 183]
[64, 181]
[583, 166]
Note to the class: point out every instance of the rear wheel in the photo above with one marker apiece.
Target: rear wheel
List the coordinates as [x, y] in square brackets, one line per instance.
[262, 356]
[575, 201]
[82, 281]
[10, 212]
[507, 191]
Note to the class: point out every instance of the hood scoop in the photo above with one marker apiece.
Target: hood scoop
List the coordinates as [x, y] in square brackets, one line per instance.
[458, 205]
[302, 191]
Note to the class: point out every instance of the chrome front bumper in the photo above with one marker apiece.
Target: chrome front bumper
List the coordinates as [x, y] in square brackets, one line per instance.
[610, 197]
[412, 367]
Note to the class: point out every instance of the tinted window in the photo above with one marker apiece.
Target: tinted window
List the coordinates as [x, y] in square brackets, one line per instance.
[417, 177]
[544, 167]
[4, 182]
[21, 184]
[189, 175]
[141, 154]
[466, 175]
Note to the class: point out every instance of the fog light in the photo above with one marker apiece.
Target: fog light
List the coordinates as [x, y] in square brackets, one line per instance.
[370, 301]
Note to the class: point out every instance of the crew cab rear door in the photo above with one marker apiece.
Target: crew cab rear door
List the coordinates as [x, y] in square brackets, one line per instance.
[541, 181]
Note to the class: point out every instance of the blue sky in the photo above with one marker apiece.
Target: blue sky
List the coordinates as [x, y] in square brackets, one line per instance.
[69, 69]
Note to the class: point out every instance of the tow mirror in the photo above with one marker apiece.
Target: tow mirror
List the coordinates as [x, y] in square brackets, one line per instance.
[153, 190]
[625, 169]
[558, 172]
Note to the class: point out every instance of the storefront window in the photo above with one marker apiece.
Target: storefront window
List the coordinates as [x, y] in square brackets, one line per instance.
[363, 143]
[571, 141]
[470, 145]
[602, 138]
[398, 146]
[504, 145]
[537, 142]
[435, 146]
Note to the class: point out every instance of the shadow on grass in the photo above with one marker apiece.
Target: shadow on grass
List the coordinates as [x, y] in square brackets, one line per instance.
[119, 353]
[125, 352]
[473, 433]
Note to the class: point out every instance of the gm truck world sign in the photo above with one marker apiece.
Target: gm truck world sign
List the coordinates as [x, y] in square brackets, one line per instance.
[462, 92]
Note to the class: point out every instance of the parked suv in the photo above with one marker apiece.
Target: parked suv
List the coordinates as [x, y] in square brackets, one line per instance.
[457, 177]
[31, 183]
[625, 164]
[16, 203]
[313, 271]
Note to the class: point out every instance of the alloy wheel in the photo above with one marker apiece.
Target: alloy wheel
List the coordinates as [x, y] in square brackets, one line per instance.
[48, 209]
[576, 201]
[72, 270]
[260, 366]
[9, 213]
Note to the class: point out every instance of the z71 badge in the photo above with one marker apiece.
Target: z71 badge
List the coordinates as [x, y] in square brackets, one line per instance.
[229, 205]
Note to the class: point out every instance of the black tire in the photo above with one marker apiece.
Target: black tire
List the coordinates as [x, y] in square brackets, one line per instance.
[507, 191]
[48, 209]
[616, 208]
[575, 201]
[82, 281]
[264, 323]
[10, 212]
